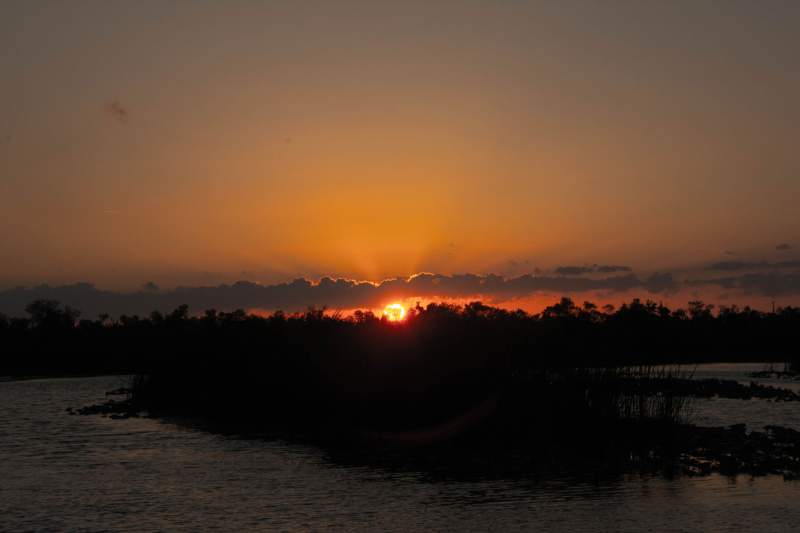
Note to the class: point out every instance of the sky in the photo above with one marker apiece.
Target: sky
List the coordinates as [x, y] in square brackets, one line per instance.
[202, 143]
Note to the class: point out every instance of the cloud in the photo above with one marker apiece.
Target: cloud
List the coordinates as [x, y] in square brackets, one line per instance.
[150, 287]
[119, 112]
[580, 270]
[773, 284]
[573, 270]
[733, 266]
[783, 247]
[612, 268]
[661, 283]
[742, 278]
[730, 266]
[335, 293]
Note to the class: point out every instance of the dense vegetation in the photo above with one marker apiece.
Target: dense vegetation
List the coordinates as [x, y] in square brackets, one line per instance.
[53, 340]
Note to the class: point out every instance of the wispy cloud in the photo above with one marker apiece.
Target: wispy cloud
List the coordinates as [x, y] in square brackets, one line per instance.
[117, 111]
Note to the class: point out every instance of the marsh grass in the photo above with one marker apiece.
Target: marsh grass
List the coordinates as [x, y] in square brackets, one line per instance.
[643, 393]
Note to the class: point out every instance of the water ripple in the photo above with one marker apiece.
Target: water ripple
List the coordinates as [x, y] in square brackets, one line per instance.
[76, 473]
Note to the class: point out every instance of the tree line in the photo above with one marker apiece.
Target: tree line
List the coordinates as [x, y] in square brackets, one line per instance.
[53, 339]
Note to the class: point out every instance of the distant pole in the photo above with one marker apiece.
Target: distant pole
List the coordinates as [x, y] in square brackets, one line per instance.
[773, 307]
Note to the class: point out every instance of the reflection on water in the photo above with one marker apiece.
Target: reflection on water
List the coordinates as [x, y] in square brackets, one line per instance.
[61, 472]
[755, 413]
[741, 372]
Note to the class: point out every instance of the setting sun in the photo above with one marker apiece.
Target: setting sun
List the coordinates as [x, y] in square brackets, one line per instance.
[394, 312]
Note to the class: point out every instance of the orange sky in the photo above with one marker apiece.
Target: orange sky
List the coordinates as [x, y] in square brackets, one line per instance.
[200, 143]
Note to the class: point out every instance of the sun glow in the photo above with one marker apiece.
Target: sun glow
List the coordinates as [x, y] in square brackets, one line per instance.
[394, 312]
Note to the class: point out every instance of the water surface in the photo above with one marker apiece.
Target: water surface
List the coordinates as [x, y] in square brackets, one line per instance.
[90, 473]
[755, 413]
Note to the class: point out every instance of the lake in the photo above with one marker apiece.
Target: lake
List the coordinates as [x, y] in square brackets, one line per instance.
[89, 473]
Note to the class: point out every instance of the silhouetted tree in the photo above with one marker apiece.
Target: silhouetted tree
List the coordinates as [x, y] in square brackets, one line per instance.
[49, 314]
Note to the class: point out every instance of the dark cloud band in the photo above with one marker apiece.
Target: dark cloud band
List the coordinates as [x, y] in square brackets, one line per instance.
[336, 293]
[348, 294]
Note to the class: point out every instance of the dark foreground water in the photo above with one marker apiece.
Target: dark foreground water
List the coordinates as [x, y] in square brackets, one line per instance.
[89, 473]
